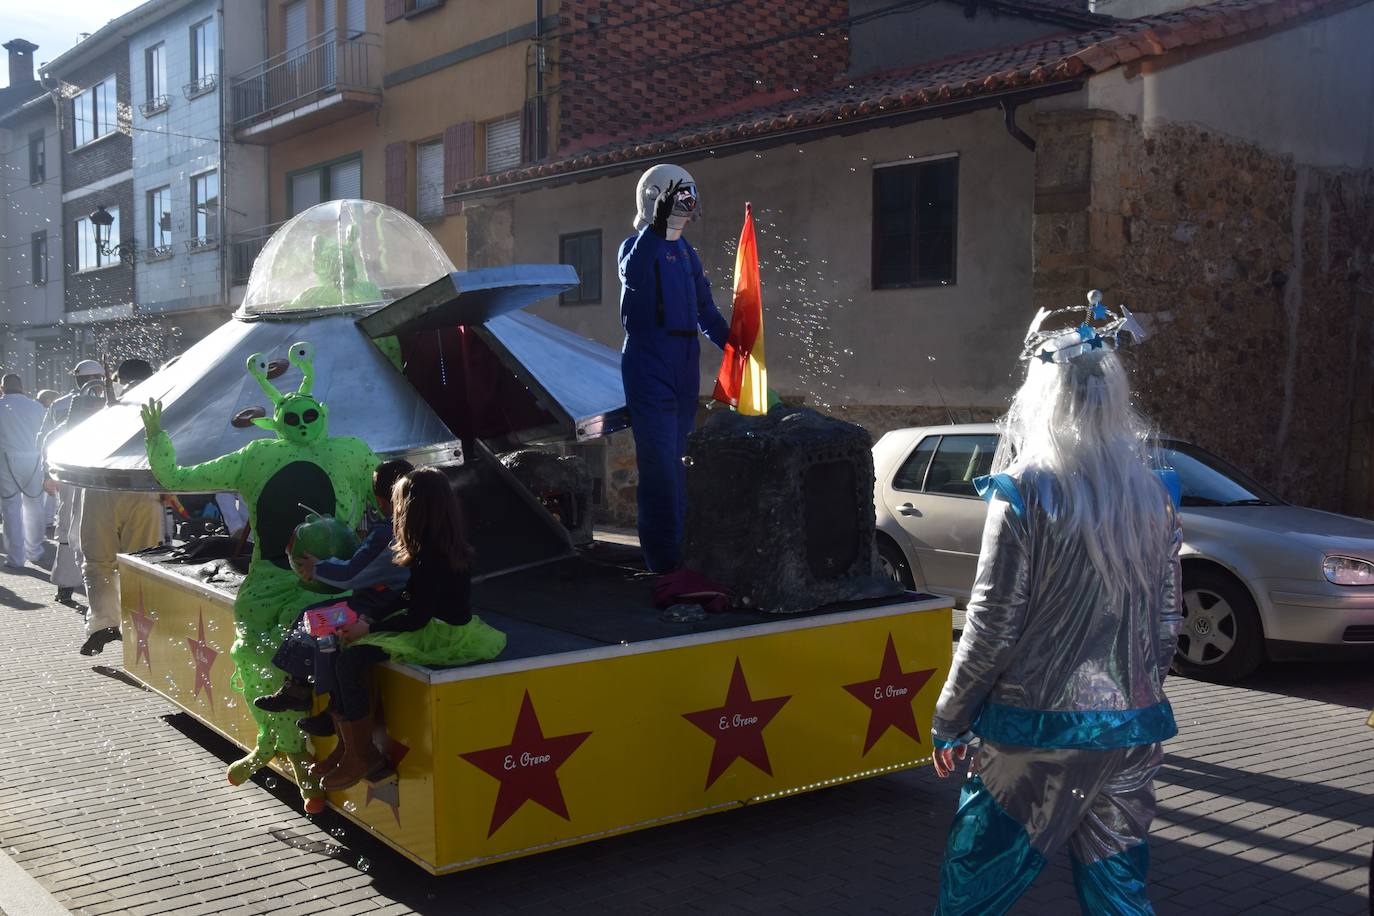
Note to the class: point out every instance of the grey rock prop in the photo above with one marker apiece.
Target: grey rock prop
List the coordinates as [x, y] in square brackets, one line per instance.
[780, 510]
[561, 483]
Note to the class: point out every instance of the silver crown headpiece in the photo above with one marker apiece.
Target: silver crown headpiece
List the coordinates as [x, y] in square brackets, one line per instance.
[1111, 331]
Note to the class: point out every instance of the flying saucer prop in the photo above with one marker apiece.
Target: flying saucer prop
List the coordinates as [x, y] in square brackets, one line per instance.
[412, 356]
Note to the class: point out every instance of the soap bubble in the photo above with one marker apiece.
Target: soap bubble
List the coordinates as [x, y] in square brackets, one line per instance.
[337, 833]
[350, 807]
[364, 864]
[270, 782]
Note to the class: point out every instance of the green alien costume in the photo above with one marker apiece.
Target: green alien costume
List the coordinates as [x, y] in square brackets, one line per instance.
[282, 480]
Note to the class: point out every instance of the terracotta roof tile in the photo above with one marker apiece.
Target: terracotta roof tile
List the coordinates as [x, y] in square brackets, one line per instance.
[1059, 58]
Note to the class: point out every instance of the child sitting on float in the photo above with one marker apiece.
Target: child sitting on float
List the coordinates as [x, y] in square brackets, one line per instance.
[376, 582]
[431, 623]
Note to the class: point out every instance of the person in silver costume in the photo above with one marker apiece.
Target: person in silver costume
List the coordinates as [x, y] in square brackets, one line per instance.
[1070, 631]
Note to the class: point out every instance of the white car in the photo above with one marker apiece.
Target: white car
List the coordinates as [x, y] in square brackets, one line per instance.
[1261, 578]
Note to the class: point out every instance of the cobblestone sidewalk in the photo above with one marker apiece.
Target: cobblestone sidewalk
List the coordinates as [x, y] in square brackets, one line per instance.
[116, 803]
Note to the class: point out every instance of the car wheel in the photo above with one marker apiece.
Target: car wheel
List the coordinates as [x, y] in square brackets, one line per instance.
[894, 565]
[1222, 639]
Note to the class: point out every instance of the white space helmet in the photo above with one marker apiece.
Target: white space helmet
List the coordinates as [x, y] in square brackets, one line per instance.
[653, 183]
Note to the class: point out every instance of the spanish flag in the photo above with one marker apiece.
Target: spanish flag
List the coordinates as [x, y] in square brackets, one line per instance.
[743, 379]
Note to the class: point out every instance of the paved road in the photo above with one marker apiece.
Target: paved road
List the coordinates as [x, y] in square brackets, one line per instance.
[116, 803]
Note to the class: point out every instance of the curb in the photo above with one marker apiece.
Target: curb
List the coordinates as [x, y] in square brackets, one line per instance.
[21, 895]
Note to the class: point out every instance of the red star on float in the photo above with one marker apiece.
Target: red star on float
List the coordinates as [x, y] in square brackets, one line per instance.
[143, 624]
[527, 768]
[204, 657]
[888, 697]
[737, 726]
[388, 791]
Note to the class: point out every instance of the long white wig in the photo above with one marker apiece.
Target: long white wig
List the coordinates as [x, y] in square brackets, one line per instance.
[1075, 421]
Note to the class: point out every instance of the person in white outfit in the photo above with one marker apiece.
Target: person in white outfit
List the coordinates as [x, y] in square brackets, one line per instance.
[66, 566]
[46, 396]
[21, 473]
[114, 522]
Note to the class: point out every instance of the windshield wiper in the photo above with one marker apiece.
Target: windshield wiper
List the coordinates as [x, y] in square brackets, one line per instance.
[1201, 501]
[1249, 502]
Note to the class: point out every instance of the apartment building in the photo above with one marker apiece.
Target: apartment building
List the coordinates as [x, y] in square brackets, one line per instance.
[191, 187]
[33, 341]
[393, 101]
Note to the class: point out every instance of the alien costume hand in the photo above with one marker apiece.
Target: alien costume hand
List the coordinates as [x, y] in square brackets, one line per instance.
[663, 207]
[152, 417]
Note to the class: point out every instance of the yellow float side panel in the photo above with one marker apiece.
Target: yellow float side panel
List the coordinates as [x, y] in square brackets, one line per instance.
[177, 636]
[401, 809]
[549, 756]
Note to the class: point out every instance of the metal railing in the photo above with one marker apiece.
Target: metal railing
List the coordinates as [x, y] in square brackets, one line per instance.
[324, 64]
[243, 251]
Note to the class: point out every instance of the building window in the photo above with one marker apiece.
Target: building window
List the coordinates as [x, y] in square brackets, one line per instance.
[340, 180]
[94, 112]
[205, 207]
[155, 72]
[38, 257]
[583, 251]
[204, 52]
[89, 255]
[159, 221]
[503, 144]
[38, 158]
[429, 180]
[915, 209]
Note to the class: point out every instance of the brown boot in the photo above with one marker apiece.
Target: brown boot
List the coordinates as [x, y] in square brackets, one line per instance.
[361, 759]
[322, 768]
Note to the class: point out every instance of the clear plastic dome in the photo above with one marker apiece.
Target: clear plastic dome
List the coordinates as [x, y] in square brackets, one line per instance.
[345, 255]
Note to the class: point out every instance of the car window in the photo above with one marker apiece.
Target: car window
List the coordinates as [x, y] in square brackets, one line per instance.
[912, 474]
[957, 462]
[1208, 480]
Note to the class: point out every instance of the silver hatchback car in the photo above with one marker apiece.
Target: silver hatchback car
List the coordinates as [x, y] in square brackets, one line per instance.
[1261, 578]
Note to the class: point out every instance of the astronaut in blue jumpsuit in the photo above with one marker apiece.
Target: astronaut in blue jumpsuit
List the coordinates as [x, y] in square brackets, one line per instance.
[665, 301]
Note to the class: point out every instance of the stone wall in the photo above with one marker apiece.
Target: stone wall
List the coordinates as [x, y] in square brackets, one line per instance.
[1244, 266]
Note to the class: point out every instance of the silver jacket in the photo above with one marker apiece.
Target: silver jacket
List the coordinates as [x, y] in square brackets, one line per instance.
[1048, 647]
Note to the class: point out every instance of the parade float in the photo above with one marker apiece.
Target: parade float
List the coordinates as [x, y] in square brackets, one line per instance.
[602, 716]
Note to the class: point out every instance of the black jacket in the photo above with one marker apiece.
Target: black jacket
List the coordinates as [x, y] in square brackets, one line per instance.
[435, 590]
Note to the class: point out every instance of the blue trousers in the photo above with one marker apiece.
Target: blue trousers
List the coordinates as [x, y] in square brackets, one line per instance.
[1027, 803]
[660, 374]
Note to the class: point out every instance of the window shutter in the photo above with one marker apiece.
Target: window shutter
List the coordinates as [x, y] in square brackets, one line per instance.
[429, 185]
[346, 181]
[396, 175]
[503, 144]
[305, 191]
[393, 10]
[355, 18]
[460, 158]
[295, 25]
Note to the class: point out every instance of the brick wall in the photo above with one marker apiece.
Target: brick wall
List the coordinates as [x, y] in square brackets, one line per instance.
[108, 285]
[111, 154]
[617, 70]
[1245, 267]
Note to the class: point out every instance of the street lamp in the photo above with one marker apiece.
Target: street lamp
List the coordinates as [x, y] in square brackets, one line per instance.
[101, 219]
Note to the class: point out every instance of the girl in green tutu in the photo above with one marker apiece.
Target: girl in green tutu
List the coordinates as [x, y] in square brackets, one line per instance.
[431, 622]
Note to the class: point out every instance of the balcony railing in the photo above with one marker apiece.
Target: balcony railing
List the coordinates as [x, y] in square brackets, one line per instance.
[243, 251]
[325, 64]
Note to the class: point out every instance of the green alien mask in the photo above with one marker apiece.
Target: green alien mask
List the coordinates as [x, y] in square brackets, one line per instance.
[296, 417]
